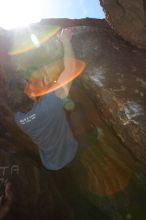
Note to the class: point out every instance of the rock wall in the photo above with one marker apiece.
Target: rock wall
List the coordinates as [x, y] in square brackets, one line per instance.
[111, 93]
[128, 19]
[109, 123]
[115, 80]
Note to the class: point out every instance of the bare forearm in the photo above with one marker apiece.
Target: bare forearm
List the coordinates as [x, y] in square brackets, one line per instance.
[65, 37]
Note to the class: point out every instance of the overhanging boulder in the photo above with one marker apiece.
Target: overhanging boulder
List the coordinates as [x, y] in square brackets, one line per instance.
[128, 19]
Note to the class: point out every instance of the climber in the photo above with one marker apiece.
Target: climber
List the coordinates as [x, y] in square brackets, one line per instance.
[40, 113]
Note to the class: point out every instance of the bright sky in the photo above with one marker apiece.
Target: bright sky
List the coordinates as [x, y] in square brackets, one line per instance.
[71, 9]
[15, 13]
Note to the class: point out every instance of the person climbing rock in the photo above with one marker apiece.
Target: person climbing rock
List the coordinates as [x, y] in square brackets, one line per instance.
[39, 112]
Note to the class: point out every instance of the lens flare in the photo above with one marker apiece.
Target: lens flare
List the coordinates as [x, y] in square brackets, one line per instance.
[35, 40]
[29, 38]
[73, 68]
[69, 104]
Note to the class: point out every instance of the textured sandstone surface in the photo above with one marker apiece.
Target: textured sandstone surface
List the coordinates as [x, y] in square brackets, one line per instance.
[112, 90]
[108, 121]
[128, 19]
[115, 81]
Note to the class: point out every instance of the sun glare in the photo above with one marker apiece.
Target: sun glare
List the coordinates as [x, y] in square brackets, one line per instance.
[19, 13]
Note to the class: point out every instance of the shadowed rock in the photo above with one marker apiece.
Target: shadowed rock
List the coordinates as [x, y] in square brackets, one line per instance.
[128, 19]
